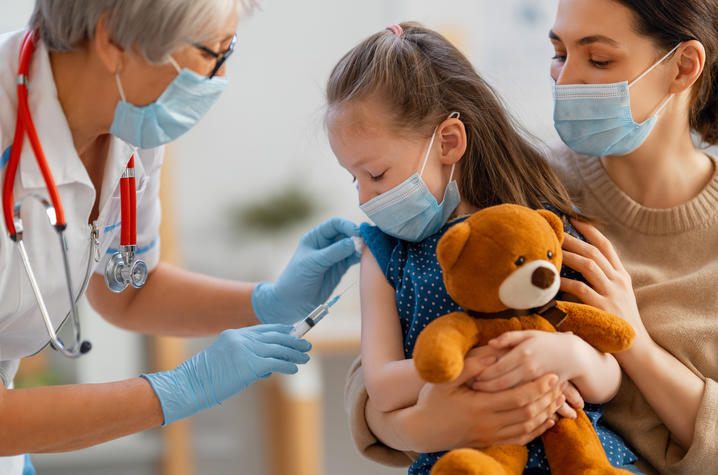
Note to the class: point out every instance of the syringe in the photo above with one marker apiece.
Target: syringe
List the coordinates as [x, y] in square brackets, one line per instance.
[302, 327]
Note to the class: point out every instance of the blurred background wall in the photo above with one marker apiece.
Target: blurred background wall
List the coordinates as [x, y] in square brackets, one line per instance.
[233, 170]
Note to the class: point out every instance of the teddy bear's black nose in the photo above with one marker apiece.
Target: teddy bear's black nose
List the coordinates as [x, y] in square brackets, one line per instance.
[543, 278]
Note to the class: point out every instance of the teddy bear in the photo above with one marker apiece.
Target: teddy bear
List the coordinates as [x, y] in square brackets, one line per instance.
[502, 265]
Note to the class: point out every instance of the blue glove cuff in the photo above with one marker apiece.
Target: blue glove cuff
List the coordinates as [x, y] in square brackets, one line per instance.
[263, 301]
[176, 401]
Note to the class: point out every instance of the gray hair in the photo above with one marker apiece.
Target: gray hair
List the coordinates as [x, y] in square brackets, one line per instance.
[154, 28]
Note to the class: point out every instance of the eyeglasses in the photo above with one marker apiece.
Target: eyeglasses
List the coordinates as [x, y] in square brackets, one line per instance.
[220, 57]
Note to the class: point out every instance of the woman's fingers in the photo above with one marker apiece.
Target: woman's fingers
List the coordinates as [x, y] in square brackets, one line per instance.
[526, 427]
[588, 268]
[595, 237]
[584, 249]
[505, 381]
[526, 438]
[582, 291]
[527, 395]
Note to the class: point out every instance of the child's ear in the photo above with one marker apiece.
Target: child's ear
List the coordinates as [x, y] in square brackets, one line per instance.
[453, 140]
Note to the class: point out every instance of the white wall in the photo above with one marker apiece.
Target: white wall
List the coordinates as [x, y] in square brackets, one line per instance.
[267, 130]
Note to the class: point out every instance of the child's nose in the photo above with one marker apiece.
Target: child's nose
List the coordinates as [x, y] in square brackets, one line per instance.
[364, 195]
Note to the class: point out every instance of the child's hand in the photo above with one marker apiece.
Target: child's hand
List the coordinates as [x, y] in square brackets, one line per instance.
[482, 352]
[574, 401]
[531, 354]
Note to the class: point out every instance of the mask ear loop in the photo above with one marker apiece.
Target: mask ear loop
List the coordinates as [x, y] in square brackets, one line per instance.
[654, 65]
[176, 66]
[119, 83]
[119, 86]
[665, 102]
[453, 115]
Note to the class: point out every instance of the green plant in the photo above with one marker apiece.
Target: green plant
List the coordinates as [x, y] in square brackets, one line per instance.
[278, 211]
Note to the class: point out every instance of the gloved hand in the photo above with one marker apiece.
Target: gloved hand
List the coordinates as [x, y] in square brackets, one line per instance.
[323, 256]
[236, 359]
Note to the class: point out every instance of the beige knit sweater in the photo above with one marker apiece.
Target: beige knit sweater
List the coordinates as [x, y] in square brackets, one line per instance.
[672, 256]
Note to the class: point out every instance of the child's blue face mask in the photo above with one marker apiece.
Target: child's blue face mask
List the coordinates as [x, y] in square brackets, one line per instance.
[409, 211]
[596, 119]
[182, 104]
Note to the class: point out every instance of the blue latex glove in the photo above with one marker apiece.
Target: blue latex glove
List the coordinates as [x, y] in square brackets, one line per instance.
[236, 359]
[323, 256]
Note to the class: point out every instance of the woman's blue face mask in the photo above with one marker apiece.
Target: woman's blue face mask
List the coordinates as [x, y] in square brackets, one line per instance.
[596, 119]
[182, 104]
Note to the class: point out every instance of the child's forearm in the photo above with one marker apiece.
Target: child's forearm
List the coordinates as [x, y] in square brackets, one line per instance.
[394, 386]
[600, 376]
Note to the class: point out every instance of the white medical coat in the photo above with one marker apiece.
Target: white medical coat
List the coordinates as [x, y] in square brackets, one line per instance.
[22, 332]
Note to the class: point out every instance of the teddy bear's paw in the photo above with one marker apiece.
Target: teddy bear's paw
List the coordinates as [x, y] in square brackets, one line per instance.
[438, 361]
[478, 462]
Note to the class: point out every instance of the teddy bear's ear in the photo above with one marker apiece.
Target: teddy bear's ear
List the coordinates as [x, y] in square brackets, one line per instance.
[452, 243]
[554, 221]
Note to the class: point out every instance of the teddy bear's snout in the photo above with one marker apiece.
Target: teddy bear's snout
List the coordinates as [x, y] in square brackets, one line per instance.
[543, 277]
[533, 284]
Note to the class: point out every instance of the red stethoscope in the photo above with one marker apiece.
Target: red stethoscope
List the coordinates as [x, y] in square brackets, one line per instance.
[122, 270]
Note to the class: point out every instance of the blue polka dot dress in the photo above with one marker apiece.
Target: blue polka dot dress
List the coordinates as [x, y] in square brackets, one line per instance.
[414, 272]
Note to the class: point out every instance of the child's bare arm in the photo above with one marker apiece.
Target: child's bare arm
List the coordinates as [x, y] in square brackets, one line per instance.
[391, 380]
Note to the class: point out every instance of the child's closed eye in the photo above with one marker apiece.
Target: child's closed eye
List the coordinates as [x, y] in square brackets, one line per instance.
[377, 177]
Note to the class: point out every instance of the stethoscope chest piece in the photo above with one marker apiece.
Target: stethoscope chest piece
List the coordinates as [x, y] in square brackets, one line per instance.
[123, 270]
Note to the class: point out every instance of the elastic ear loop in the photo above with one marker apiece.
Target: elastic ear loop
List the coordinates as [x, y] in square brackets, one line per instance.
[119, 83]
[119, 86]
[453, 115]
[665, 102]
[174, 63]
[654, 66]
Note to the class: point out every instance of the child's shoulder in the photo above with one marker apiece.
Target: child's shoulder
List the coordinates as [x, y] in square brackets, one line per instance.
[388, 249]
[380, 244]
[567, 226]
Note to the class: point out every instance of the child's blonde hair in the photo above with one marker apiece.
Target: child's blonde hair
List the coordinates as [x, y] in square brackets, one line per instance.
[422, 77]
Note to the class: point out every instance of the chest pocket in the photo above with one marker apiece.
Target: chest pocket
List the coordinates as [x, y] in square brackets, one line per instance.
[115, 205]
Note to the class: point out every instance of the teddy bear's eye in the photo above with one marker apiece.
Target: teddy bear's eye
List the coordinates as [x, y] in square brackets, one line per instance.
[549, 254]
[520, 261]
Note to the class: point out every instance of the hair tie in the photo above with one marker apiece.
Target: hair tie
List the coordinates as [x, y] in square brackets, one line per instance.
[396, 29]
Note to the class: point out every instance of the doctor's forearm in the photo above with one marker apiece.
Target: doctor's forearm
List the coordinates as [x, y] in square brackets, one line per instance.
[176, 302]
[63, 418]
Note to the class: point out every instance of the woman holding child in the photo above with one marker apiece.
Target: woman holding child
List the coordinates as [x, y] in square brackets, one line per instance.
[631, 164]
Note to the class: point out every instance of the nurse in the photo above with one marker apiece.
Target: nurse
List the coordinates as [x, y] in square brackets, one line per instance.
[109, 80]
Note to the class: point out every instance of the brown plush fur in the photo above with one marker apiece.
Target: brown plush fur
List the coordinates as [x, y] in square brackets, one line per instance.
[476, 257]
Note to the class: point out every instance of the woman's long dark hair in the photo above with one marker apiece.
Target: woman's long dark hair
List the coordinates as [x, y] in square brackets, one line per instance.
[670, 22]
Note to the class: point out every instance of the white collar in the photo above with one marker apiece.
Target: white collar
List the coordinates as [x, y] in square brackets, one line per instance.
[52, 130]
[56, 138]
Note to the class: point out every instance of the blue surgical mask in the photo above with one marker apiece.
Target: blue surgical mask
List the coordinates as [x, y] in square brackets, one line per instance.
[596, 119]
[182, 104]
[409, 211]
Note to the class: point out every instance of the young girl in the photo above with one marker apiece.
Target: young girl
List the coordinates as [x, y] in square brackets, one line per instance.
[428, 143]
